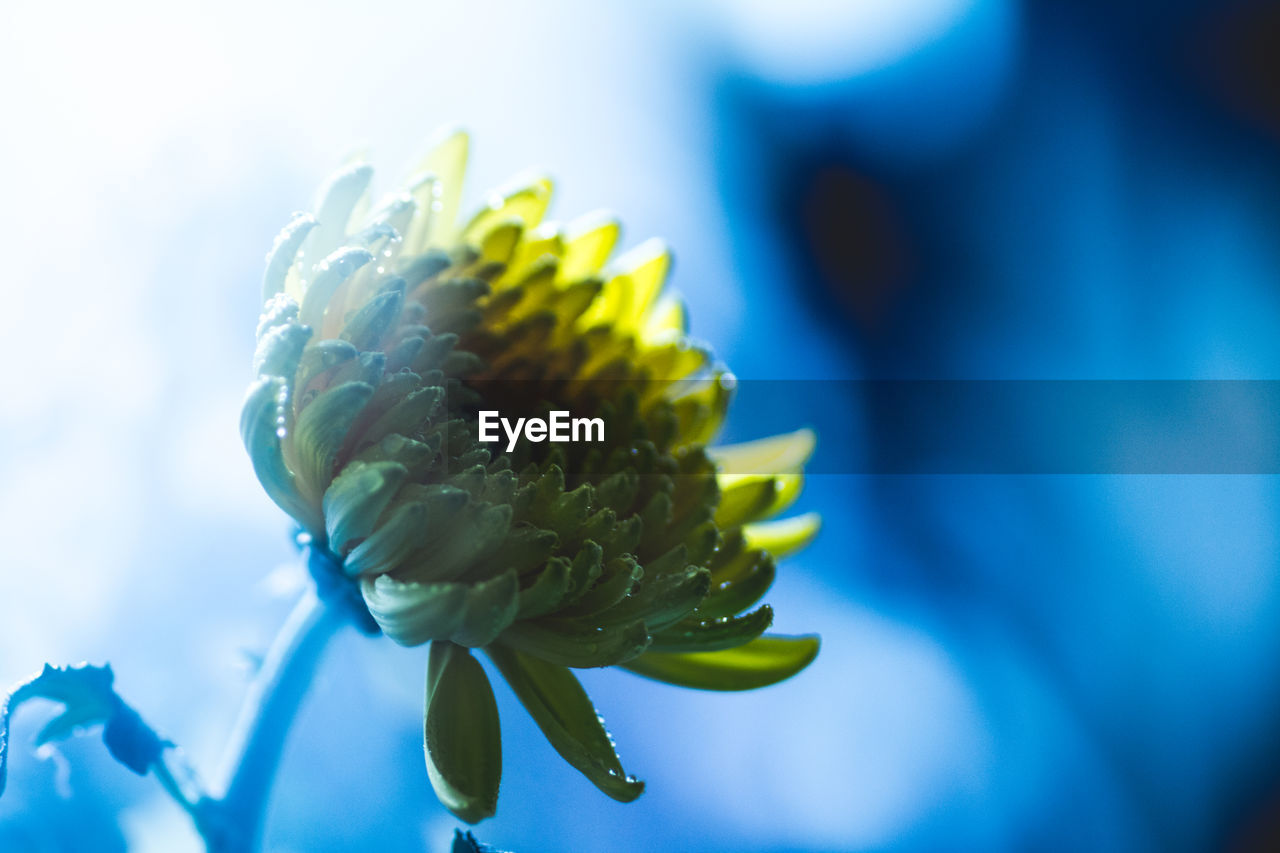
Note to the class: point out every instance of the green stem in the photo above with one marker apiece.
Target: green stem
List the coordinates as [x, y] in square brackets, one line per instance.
[231, 818]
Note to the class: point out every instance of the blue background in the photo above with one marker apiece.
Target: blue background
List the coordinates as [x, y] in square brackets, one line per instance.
[941, 189]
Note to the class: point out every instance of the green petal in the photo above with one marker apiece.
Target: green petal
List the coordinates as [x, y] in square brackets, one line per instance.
[617, 579]
[284, 253]
[546, 593]
[396, 212]
[337, 199]
[764, 661]
[371, 323]
[408, 416]
[262, 420]
[280, 350]
[391, 543]
[491, 607]
[413, 613]
[329, 276]
[356, 498]
[694, 635]
[571, 644]
[661, 600]
[737, 595]
[463, 742]
[278, 311]
[561, 708]
[321, 429]
[476, 534]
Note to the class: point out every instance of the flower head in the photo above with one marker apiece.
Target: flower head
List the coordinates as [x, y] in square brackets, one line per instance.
[385, 332]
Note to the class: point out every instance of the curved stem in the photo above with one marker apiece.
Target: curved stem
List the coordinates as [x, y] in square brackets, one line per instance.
[231, 819]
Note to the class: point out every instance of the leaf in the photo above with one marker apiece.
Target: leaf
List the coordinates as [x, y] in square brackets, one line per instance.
[555, 699]
[764, 661]
[465, 842]
[461, 736]
[88, 699]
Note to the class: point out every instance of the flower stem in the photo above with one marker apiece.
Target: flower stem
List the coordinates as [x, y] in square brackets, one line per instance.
[231, 819]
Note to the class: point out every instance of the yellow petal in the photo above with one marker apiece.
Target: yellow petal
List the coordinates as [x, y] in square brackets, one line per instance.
[447, 161]
[525, 201]
[779, 454]
[784, 536]
[541, 242]
[425, 191]
[750, 497]
[500, 242]
[589, 240]
[647, 265]
[667, 320]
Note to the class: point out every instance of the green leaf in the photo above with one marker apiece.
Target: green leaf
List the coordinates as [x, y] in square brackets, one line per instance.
[561, 708]
[468, 843]
[88, 699]
[462, 739]
[764, 661]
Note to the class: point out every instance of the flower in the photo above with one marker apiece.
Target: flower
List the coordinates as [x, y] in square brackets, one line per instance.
[384, 333]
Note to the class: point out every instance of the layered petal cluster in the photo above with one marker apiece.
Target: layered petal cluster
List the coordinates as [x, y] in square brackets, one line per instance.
[386, 329]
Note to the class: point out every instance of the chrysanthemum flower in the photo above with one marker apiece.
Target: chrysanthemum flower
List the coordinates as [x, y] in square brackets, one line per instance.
[385, 331]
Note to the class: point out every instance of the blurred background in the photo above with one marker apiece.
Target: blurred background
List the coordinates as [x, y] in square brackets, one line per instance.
[916, 189]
